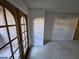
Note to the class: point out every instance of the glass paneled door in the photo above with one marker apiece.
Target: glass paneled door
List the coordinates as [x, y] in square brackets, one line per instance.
[8, 35]
[24, 33]
[13, 32]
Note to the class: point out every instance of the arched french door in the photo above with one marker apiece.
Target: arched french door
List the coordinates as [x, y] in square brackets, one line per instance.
[24, 33]
[8, 34]
[12, 32]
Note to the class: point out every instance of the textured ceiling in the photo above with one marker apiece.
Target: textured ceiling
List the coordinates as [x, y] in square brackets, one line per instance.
[70, 6]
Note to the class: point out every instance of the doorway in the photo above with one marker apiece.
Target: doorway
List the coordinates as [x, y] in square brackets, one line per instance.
[38, 31]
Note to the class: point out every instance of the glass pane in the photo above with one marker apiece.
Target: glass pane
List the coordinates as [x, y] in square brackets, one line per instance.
[26, 34]
[5, 52]
[12, 31]
[23, 36]
[16, 55]
[24, 50]
[22, 27]
[15, 44]
[24, 46]
[10, 18]
[2, 21]
[23, 20]
[24, 43]
[25, 28]
[3, 37]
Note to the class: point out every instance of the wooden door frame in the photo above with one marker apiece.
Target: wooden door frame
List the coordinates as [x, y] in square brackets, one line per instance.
[26, 19]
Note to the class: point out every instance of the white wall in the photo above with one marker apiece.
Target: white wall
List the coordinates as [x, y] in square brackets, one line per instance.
[20, 4]
[34, 14]
[50, 22]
